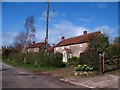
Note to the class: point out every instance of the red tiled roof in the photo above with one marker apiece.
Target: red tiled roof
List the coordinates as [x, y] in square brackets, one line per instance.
[117, 45]
[36, 45]
[78, 39]
[51, 49]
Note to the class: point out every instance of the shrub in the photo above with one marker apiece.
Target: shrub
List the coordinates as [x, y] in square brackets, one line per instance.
[39, 58]
[29, 58]
[5, 53]
[55, 59]
[113, 50]
[89, 57]
[16, 56]
[73, 61]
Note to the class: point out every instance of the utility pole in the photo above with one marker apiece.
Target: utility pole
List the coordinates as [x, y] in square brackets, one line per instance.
[47, 21]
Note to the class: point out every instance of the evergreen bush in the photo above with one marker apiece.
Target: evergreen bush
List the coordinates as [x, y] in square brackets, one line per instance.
[89, 57]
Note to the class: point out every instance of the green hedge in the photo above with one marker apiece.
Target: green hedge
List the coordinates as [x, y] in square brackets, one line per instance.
[16, 56]
[38, 58]
[51, 59]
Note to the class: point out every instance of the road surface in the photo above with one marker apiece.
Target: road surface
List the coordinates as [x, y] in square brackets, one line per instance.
[14, 77]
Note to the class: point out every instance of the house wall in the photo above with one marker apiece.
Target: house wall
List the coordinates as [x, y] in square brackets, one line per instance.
[32, 50]
[76, 49]
[38, 49]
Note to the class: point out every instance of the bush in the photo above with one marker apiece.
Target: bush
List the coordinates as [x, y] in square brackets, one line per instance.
[29, 58]
[55, 59]
[113, 50]
[39, 58]
[73, 61]
[7, 51]
[89, 57]
[16, 56]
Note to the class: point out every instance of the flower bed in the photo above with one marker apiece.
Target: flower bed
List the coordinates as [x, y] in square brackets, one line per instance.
[84, 70]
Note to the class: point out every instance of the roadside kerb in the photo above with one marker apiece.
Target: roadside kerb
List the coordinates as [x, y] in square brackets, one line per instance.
[75, 83]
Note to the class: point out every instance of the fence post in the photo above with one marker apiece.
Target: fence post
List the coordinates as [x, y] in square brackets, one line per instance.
[103, 61]
[101, 65]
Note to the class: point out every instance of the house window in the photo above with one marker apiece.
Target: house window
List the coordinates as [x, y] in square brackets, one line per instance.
[68, 47]
[69, 55]
[81, 44]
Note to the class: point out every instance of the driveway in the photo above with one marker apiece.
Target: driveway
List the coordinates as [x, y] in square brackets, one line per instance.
[14, 77]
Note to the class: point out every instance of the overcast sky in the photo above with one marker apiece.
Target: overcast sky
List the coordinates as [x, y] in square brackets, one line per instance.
[69, 19]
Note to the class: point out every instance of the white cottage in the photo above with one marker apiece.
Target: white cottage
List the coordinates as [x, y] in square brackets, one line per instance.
[73, 46]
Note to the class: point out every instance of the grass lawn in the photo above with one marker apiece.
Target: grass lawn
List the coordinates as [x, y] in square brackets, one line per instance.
[55, 72]
[30, 66]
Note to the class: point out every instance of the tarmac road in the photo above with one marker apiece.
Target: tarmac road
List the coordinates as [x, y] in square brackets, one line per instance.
[14, 77]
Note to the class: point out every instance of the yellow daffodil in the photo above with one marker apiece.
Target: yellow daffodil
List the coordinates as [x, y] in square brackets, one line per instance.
[79, 65]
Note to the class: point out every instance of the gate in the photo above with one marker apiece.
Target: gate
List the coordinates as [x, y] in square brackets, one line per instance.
[107, 64]
[111, 64]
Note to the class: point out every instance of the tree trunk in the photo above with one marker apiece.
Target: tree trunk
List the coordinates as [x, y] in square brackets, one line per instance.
[35, 63]
[24, 61]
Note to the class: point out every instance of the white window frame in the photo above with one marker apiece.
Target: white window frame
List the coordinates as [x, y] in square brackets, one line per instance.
[80, 44]
[68, 47]
[63, 47]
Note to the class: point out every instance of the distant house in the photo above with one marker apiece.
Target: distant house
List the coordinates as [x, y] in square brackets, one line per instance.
[117, 45]
[73, 46]
[35, 47]
[51, 49]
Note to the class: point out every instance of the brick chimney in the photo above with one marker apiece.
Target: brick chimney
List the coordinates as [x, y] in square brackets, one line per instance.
[33, 42]
[53, 45]
[84, 32]
[62, 38]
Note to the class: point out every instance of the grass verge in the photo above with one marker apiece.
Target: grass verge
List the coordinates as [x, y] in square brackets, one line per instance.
[29, 66]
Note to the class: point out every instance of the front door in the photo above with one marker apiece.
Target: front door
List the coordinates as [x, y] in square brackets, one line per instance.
[64, 56]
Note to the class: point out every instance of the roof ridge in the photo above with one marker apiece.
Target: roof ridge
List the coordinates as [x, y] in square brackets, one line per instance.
[76, 39]
[82, 35]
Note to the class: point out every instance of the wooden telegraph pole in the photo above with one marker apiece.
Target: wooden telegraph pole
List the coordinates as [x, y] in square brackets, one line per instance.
[101, 62]
[47, 21]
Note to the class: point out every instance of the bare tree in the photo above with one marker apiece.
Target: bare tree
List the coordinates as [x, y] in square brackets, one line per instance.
[30, 29]
[20, 41]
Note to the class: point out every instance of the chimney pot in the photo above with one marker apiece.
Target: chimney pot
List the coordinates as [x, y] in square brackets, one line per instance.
[84, 32]
[62, 38]
[33, 42]
[53, 44]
